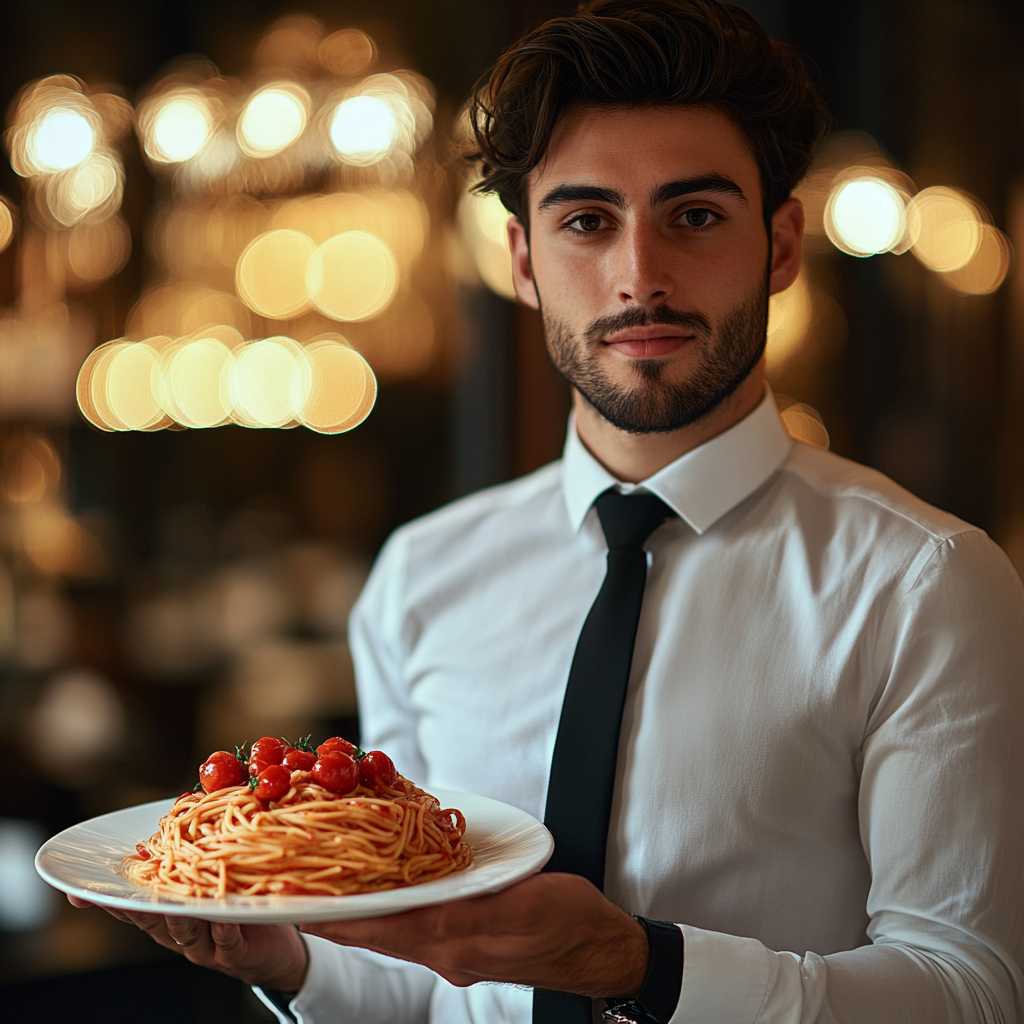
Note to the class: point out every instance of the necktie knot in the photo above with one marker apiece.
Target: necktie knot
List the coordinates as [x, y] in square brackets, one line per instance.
[629, 519]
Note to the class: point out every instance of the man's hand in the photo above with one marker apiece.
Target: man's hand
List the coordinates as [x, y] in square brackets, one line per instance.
[552, 931]
[271, 956]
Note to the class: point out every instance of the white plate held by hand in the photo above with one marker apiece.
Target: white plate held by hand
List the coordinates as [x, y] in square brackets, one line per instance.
[508, 845]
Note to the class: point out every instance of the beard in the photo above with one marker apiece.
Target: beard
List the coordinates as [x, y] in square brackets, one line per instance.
[653, 404]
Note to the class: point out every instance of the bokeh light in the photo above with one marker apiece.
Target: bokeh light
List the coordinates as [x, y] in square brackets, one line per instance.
[343, 387]
[987, 268]
[865, 216]
[273, 119]
[346, 52]
[363, 129]
[60, 139]
[399, 219]
[945, 228]
[178, 126]
[789, 319]
[95, 252]
[803, 423]
[291, 42]
[54, 126]
[196, 383]
[269, 382]
[483, 220]
[271, 274]
[132, 386]
[352, 276]
[79, 717]
[31, 470]
[91, 386]
[91, 190]
[6, 225]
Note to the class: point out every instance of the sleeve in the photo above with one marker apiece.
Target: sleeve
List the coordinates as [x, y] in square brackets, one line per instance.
[941, 822]
[343, 983]
[376, 638]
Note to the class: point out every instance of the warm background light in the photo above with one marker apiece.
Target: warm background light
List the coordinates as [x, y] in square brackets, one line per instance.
[269, 381]
[95, 252]
[180, 127]
[343, 388]
[789, 320]
[865, 216]
[61, 139]
[483, 219]
[986, 270]
[273, 119]
[802, 422]
[363, 129]
[6, 225]
[352, 276]
[271, 274]
[91, 190]
[196, 383]
[945, 227]
[132, 386]
[346, 52]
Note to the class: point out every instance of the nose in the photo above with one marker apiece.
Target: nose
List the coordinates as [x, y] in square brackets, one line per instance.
[644, 266]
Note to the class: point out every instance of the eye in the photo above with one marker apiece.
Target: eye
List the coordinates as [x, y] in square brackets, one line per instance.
[699, 218]
[585, 223]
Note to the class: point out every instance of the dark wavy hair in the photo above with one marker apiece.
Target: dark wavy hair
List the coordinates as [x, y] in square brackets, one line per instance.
[645, 53]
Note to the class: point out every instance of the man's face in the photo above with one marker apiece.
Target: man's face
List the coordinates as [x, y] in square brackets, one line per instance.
[648, 258]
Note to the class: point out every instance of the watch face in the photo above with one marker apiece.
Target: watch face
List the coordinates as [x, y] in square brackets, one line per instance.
[626, 1013]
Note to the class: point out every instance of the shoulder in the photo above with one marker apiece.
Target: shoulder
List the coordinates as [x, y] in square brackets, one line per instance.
[871, 520]
[864, 496]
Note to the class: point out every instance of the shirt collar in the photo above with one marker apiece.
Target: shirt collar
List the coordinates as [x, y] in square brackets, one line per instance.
[700, 486]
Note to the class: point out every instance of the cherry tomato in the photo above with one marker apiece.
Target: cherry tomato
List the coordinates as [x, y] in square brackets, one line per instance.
[274, 782]
[336, 771]
[221, 770]
[377, 770]
[337, 745]
[299, 760]
[143, 853]
[267, 750]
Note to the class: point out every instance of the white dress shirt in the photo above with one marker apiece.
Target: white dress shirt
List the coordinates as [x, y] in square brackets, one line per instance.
[820, 775]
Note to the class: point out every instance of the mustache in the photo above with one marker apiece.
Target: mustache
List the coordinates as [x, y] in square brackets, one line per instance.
[638, 316]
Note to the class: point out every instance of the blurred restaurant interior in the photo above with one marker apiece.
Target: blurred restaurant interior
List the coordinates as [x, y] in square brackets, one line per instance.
[251, 320]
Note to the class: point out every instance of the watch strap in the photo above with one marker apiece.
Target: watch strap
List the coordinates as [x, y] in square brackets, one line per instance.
[658, 997]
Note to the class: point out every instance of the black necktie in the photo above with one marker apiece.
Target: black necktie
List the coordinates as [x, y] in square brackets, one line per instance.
[583, 764]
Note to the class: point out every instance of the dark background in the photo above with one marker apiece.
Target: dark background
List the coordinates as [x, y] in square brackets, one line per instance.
[928, 386]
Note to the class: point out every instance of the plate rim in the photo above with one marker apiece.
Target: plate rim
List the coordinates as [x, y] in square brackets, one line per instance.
[275, 910]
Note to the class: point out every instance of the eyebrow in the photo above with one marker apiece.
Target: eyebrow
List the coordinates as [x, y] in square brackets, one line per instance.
[704, 183]
[582, 193]
[575, 193]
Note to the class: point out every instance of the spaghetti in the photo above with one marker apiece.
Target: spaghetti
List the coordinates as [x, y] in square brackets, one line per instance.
[311, 841]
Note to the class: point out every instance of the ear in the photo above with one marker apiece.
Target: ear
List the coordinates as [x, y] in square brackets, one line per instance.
[522, 271]
[787, 239]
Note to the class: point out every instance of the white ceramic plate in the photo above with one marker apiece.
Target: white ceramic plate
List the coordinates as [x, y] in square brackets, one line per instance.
[508, 844]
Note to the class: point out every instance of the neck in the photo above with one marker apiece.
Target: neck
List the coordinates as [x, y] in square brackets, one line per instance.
[632, 458]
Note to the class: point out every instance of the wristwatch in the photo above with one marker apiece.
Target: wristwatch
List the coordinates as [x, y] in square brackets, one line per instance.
[658, 997]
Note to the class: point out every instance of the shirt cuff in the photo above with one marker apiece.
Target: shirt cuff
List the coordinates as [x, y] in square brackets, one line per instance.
[273, 1002]
[725, 978]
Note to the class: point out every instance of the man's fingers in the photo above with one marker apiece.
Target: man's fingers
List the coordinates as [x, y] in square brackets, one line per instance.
[191, 935]
[227, 938]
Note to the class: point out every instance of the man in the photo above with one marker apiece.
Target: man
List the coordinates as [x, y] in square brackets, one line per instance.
[818, 774]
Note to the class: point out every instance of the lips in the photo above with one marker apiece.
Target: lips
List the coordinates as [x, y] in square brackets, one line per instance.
[648, 342]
